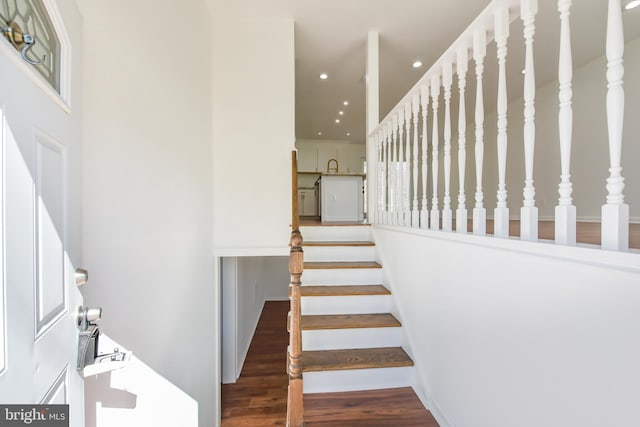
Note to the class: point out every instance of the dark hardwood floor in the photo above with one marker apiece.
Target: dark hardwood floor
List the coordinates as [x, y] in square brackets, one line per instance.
[259, 398]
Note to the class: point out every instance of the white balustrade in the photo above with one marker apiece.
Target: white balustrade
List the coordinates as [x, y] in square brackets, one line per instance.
[501, 212]
[447, 80]
[461, 68]
[435, 95]
[403, 161]
[529, 211]
[479, 53]
[615, 214]
[424, 104]
[415, 111]
[565, 212]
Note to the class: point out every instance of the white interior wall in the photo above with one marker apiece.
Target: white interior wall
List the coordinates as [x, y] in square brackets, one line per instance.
[253, 134]
[147, 190]
[508, 333]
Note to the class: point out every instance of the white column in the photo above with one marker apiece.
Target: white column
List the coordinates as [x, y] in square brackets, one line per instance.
[565, 213]
[501, 212]
[372, 95]
[461, 68]
[435, 95]
[424, 103]
[406, 168]
[529, 211]
[479, 211]
[615, 214]
[415, 110]
[447, 80]
[379, 177]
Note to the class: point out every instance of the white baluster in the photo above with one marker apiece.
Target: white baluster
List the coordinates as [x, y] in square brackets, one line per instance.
[447, 80]
[529, 211]
[501, 212]
[424, 103]
[565, 212]
[406, 168]
[399, 169]
[387, 170]
[435, 95]
[461, 68]
[479, 52]
[394, 170]
[415, 110]
[615, 214]
[381, 176]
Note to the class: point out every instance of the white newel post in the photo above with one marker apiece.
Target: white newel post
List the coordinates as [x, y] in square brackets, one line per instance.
[406, 168]
[565, 212]
[435, 95]
[615, 214]
[529, 211]
[479, 211]
[415, 110]
[447, 80]
[424, 104]
[461, 68]
[501, 212]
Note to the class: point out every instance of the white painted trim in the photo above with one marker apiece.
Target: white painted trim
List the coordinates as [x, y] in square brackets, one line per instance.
[582, 254]
[439, 415]
[251, 251]
[3, 269]
[62, 99]
[277, 299]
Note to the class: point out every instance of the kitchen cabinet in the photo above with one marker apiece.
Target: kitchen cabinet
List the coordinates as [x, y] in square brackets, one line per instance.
[341, 198]
[307, 159]
[307, 202]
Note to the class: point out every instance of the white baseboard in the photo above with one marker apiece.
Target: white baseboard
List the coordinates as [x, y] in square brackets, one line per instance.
[440, 417]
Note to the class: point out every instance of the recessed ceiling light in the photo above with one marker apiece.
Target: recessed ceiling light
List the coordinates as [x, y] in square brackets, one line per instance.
[337, 120]
[324, 76]
[417, 64]
[630, 4]
[345, 103]
[348, 133]
[341, 112]
[319, 133]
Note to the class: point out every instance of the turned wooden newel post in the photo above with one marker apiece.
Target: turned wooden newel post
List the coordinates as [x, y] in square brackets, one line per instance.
[294, 362]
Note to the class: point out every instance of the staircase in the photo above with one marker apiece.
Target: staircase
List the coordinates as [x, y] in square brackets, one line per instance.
[350, 339]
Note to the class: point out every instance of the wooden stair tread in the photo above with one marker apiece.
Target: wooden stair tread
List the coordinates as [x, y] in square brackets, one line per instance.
[338, 243]
[348, 321]
[343, 290]
[339, 265]
[361, 358]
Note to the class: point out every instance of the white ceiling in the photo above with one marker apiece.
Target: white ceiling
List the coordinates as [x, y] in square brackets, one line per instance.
[331, 38]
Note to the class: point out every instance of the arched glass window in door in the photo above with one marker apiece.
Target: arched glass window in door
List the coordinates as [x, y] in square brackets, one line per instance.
[27, 26]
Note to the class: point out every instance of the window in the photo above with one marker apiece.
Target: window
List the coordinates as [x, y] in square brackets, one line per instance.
[31, 17]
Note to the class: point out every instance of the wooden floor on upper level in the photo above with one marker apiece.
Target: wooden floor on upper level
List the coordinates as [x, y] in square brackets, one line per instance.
[586, 232]
[259, 397]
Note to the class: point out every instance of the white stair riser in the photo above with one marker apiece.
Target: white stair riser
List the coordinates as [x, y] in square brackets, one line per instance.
[336, 339]
[339, 253]
[342, 276]
[339, 233]
[364, 304]
[357, 379]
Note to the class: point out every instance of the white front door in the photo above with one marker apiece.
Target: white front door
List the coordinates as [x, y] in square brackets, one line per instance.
[41, 234]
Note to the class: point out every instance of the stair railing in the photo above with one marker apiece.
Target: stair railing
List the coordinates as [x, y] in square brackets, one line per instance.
[296, 264]
[401, 166]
